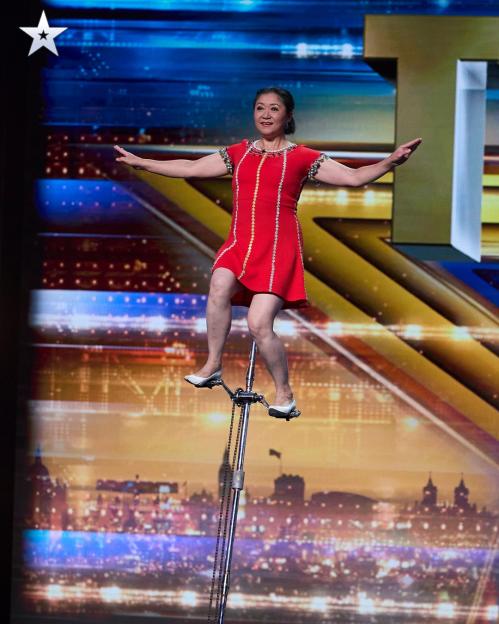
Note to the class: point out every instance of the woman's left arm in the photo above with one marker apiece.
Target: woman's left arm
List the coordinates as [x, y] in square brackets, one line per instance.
[333, 172]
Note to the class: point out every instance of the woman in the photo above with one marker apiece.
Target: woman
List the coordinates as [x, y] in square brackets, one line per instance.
[260, 265]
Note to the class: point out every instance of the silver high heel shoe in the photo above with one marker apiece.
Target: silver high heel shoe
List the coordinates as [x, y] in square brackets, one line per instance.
[203, 382]
[284, 411]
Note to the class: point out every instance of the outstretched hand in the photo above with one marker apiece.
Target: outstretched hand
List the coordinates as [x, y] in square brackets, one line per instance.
[402, 153]
[127, 158]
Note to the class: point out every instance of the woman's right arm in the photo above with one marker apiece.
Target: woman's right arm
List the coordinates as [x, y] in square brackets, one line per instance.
[210, 166]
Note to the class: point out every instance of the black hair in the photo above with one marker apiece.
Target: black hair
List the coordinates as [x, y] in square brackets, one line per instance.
[288, 101]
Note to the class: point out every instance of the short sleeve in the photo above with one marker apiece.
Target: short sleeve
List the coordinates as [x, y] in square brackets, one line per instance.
[224, 153]
[232, 153]
[316, 163]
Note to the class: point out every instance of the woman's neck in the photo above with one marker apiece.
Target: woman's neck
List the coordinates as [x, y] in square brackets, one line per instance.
[273, 144]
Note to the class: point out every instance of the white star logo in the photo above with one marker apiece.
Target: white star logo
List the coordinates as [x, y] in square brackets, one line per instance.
[43, 35]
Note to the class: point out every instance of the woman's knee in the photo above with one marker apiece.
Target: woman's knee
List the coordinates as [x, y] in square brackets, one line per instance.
[259, 326]
[222, 285]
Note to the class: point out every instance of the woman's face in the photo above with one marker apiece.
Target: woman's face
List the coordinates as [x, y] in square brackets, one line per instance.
[270, 115]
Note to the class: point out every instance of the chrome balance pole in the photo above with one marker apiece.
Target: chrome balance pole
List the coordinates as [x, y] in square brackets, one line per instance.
[228, 511]
[237, 483]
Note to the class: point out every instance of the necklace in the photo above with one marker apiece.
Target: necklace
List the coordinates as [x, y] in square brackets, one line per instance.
[272, 151]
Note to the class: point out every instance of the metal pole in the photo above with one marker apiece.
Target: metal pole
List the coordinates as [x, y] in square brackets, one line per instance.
[237, 485]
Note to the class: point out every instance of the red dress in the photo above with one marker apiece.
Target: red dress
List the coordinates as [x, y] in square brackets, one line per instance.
[264, 248]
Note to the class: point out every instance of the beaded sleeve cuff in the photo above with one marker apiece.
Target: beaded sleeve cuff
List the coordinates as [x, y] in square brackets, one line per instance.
[225, 155]
[315, 165]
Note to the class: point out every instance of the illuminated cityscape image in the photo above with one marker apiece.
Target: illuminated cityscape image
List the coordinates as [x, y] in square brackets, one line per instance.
[380, 503]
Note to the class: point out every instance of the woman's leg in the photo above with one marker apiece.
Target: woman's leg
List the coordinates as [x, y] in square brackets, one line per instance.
[261, 314]
[223, 285]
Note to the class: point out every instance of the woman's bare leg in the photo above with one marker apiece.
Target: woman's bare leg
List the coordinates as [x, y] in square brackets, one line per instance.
[223, 285]
[261, 315]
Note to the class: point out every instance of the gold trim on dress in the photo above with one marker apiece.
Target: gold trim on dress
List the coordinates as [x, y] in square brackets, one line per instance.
[228, 162]
[315, 165]
[253, 208]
